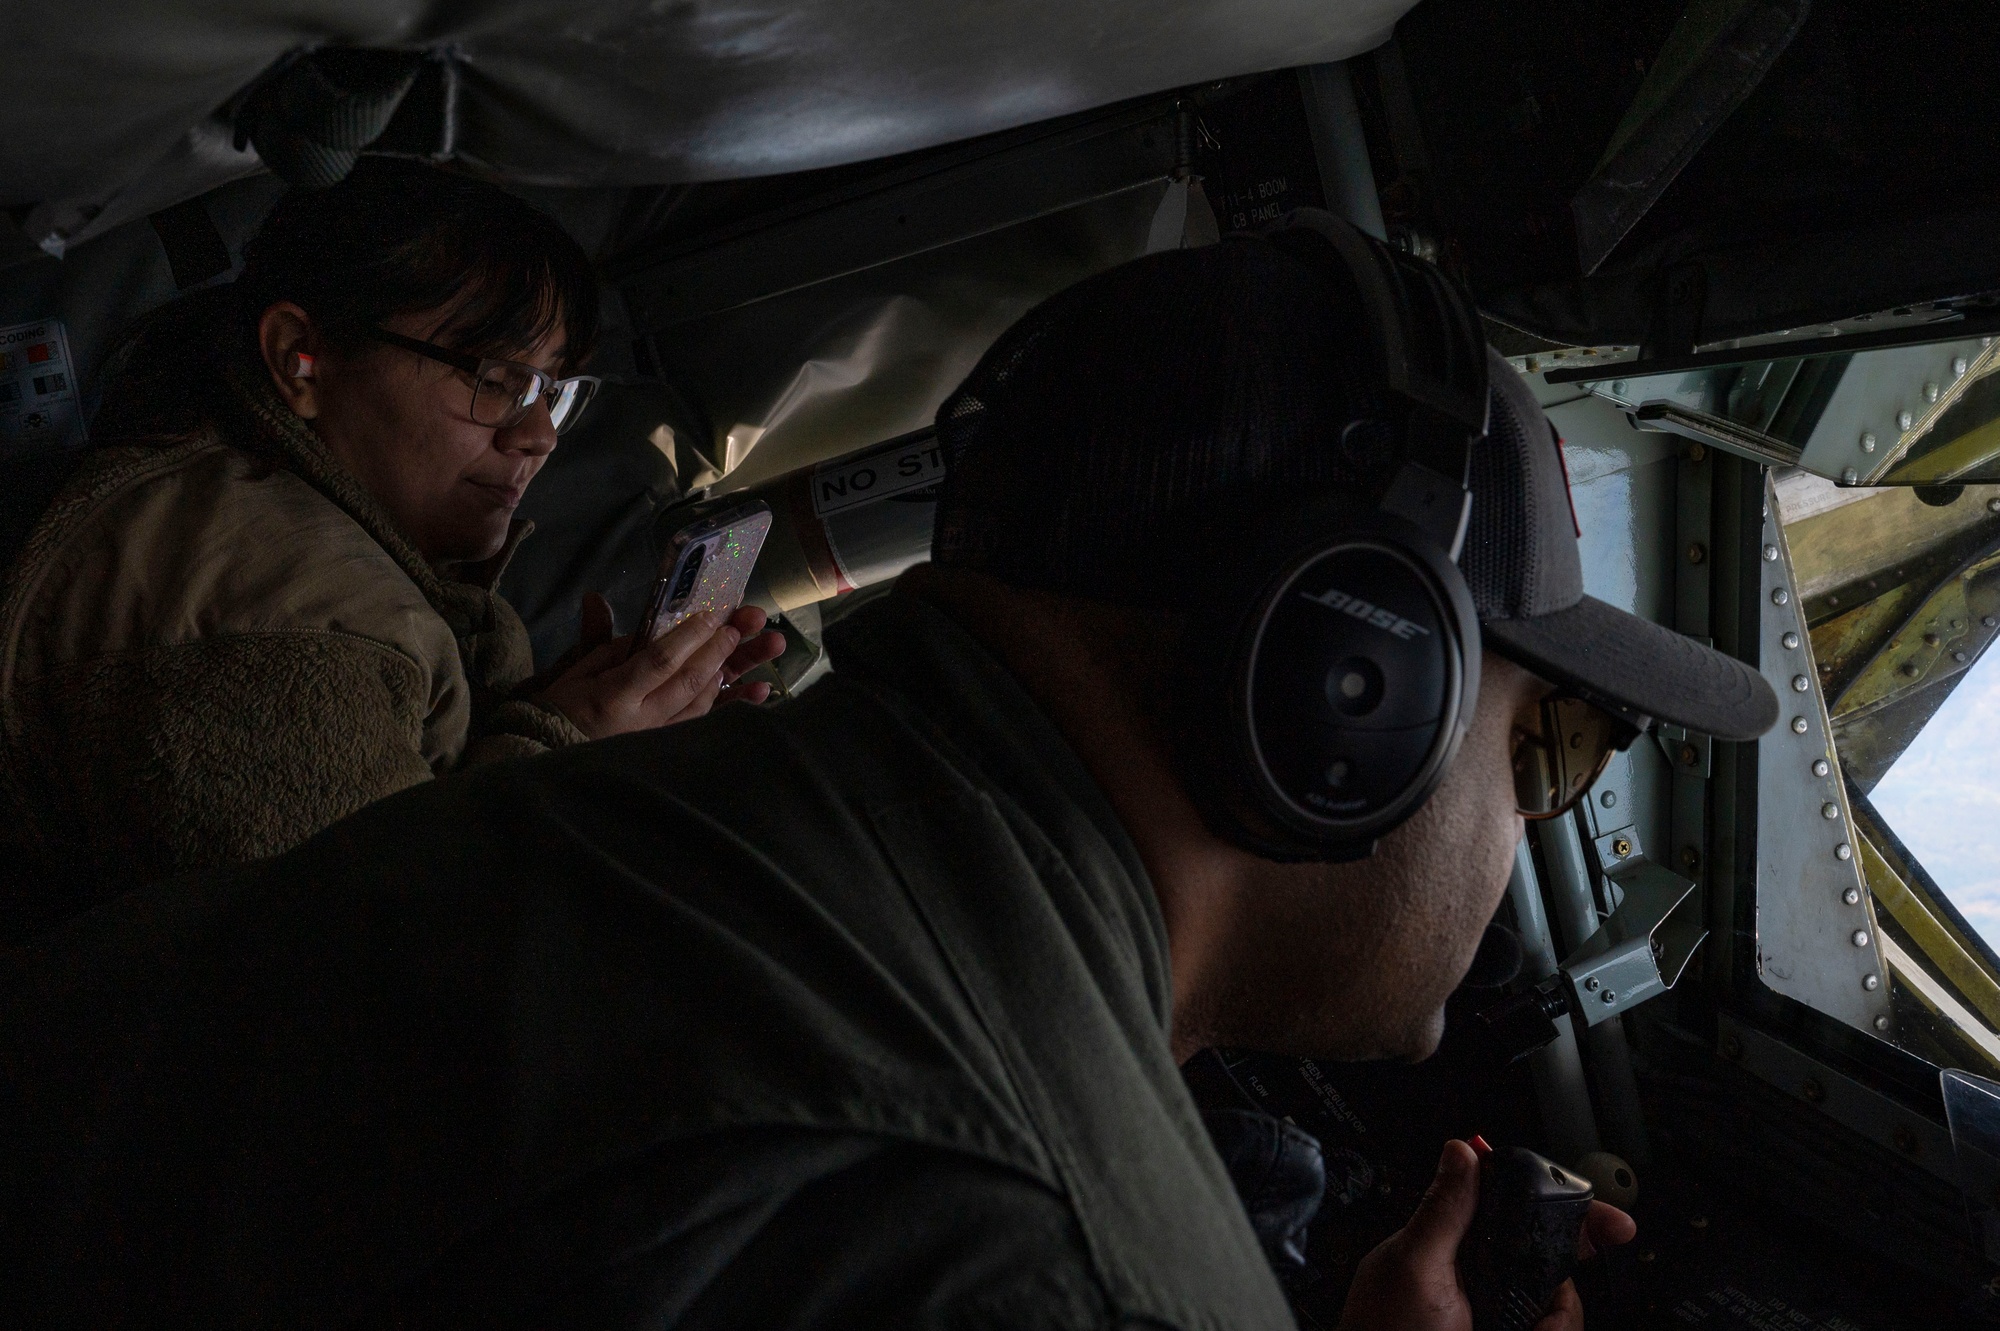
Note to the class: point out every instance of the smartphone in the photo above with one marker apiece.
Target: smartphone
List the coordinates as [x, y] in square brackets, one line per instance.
[706, 566]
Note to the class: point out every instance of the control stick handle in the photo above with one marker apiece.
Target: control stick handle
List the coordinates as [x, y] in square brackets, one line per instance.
[1522, 1244]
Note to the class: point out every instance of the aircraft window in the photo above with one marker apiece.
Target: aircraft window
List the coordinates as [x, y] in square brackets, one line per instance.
[1901, 596]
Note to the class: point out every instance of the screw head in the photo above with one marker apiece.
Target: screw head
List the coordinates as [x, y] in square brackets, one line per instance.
[1958, 657]
[1813, 1091]
[1852, 896]
[1829, 810]
[1821, 767]
[1697, 552]
[1957, 366]
[1770, 554]
[1798, 725]
[1621, 847]
[1859, 938]
[1689, 755]
[1881, 1023]
[1931, 392]
[1930, 640]
[1849, 476]
[1988, 621]
[1993, 505]
[1843, 852]
[1690, 857]
[1871, 982]
[1779, 596]
[1909, 669]
[1608, 799]
[1696, 452]
[1868, 441]
[1732, 1048]
[1590, 984]
[1609, 996]
[1904, 420]
[1790, 640]
[1800, 683]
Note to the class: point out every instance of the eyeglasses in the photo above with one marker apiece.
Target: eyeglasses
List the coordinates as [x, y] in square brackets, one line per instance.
[1556, 762]
[505, 391]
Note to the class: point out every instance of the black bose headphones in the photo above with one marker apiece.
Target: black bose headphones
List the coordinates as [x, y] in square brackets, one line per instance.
[1327, 690]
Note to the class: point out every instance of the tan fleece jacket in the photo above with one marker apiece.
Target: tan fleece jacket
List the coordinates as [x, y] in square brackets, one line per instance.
[216, 644]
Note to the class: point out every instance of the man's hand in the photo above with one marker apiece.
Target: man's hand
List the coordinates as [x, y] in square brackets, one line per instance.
[1410, 1282]
[607, 686]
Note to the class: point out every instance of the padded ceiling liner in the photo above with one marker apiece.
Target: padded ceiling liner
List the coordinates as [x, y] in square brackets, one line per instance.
[111, 106]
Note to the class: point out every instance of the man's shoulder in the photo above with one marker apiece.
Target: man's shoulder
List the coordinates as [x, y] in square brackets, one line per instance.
[196, 539]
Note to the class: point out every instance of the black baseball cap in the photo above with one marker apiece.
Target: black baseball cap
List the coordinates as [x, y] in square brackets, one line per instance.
[1092, 448]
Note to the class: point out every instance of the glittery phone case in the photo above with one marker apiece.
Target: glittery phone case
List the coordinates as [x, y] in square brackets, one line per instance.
[707, 567]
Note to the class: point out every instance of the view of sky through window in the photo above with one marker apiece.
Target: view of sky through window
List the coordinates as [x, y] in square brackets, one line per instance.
[1943, 799]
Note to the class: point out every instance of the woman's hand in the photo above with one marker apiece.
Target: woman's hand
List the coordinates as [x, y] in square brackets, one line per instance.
[1410, 1282]
[608, 688]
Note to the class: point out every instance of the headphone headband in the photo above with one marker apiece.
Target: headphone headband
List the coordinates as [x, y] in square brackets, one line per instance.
[1433, 356]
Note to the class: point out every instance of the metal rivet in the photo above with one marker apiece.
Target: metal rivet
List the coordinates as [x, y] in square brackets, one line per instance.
[1957, 366]
[1621, 847]
[1813, 1091]
[1871, 982]
[1696, 452]
[1852, 896]
[1790, 640]
[1909, 668]
[1770, 554]
[1868, 441]
[1958, 657]
[1930, 392]
[1697, 552]
[1904, 420]
[1993, 505]
[1930, 640]
[1608, 799]
[1732, 1048]
[1821, 767]
[1849, 476]
[1609, 996]
[1881, 1023]
[1829, 810]
[1690, 857]
[1988, 621]
[1590, 984]
[1779, 596]
[1618, 386]
[1843, 851]
[1859, 938]
[1800, 683]
[1798, 725]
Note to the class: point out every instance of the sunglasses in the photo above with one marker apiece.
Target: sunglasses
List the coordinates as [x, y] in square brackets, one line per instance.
[505, 391]
[1566, 750]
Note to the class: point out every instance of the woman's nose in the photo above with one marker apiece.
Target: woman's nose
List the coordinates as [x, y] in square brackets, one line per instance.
[534, 434]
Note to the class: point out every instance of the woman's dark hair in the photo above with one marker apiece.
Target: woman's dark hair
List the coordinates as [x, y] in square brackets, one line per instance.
[398, 237]
[394, 238]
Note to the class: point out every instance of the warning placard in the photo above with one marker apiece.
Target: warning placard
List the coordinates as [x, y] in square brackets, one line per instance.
[39, 404]
[897, 467]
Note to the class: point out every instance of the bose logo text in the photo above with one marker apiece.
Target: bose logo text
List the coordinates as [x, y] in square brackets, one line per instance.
[1367, 613]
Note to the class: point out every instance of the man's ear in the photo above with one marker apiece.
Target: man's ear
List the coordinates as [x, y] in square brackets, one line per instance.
[291, 348]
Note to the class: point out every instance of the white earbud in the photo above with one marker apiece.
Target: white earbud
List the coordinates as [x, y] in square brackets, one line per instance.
[302, 365]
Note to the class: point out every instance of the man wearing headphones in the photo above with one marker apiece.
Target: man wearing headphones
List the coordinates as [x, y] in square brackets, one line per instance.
[1255, 626]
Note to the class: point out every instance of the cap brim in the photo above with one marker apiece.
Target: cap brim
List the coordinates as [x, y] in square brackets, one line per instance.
[1610, 656]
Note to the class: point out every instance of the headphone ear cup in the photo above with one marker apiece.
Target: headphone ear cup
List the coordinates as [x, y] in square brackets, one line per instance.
[1322, 711]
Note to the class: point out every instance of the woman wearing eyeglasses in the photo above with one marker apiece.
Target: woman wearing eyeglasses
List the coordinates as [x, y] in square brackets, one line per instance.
[266, 599]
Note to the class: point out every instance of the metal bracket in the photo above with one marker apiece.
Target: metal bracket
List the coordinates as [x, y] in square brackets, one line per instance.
[1642, 949]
